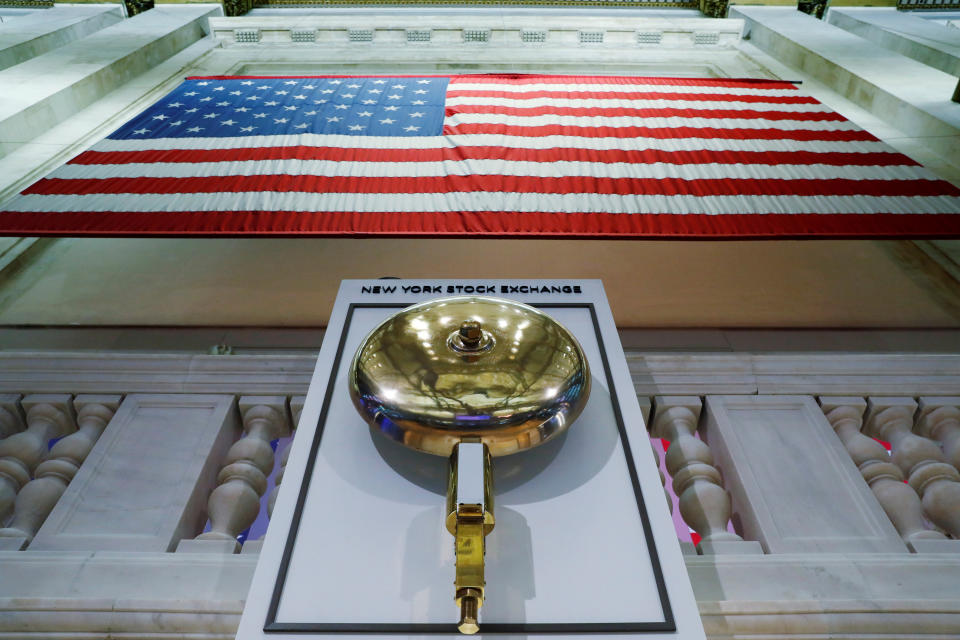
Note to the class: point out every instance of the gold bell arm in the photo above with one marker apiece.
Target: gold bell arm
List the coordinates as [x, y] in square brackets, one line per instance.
[470, 519]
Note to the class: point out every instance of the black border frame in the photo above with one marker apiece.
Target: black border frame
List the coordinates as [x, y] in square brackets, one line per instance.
[272, 626]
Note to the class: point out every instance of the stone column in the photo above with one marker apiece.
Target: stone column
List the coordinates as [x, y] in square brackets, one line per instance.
[939, 419]
[48, 416]
[38, 497]
[235, 503]
[925, 466]
[704, 503]
[899, 501]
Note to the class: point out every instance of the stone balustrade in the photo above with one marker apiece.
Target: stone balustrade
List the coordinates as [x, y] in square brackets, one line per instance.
[920, 481]
[767, 462]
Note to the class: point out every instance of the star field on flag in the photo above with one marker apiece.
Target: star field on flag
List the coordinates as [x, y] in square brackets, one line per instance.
[232, 107]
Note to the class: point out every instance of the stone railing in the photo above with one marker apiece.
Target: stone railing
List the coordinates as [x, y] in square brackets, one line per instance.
[110, 466]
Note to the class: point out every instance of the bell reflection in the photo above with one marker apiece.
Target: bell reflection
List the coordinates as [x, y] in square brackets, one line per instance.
[470, 378]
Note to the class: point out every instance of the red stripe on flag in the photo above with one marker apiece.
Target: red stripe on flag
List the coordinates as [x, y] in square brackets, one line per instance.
[646, 156]
[630, 95]
[611, 112]
[655, 132]
[517, 79]
[485, 224]
[494, 184]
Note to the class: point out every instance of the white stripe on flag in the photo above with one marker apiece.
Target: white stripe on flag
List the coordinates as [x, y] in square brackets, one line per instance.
[621, 103]
[484, 201]
[331, 168]
[490, 87]
[494, 140]
[658, 123]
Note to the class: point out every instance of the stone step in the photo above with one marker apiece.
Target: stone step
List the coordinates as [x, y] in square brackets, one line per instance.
[925, 41]
[904, 92]
[43, 91]
[37, 33]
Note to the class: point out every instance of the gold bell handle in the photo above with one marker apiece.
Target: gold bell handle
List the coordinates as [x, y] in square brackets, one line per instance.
[470, 519]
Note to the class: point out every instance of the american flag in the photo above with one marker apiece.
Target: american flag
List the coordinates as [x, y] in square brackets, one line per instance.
[495, 155]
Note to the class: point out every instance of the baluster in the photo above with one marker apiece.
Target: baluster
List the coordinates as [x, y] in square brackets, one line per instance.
[11, 415]
[296, 408]
[939, 419]
[645, 407]
[937, 483]
[704, 503]
[38, 497]
[48, 416]
[885, 479]
[663, 478]
[234, 504]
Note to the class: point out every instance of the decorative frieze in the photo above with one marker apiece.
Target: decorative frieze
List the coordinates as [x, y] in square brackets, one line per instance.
[476, 35]
[303, 35]
[649, 37]
[706, 38]
[533, 36]
[590, 37]
[388, 31]
[360, 35]
[418, 35]
[246, 36]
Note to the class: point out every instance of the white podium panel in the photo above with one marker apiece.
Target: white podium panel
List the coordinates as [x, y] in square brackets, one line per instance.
[583, 542]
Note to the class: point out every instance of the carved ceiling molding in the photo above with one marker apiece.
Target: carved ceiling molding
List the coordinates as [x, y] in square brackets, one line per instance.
[27, 4]
[927, 5]
[714, 8]
[137, 6]
[233, 8]
[687, 4]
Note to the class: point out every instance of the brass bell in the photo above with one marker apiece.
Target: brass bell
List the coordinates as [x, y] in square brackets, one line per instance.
[470, 378]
